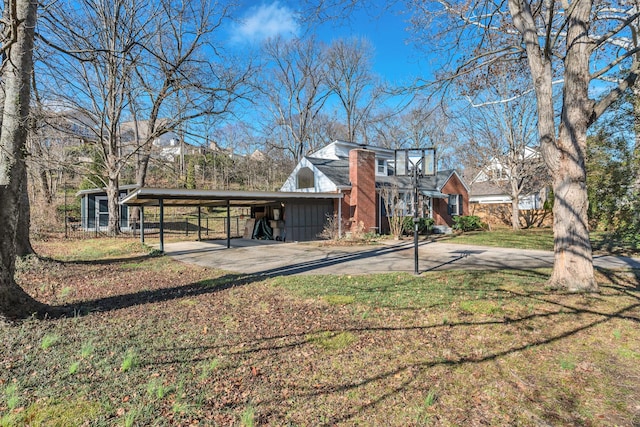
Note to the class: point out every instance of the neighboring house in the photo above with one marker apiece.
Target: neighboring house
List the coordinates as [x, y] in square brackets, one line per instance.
[490, 188]
[359, 172]
[94, 209]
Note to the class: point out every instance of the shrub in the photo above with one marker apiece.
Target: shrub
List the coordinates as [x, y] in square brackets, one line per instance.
[424, 225]
[467, 223]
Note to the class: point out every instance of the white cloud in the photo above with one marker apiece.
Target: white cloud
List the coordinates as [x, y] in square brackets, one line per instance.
[266, 21]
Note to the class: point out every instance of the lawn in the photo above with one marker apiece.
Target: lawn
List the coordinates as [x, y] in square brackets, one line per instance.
[154, 342]
[542, 239]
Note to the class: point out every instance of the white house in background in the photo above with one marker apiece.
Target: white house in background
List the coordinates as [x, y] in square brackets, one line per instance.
[491, 186]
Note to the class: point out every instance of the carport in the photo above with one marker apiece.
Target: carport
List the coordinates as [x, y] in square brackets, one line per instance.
[162, 197]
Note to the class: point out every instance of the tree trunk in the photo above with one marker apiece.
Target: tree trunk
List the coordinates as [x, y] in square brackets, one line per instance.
[636, 147]
[515, 214]
[23, 240]
[113, 228]
[14, 302]
[142, 166]
[573, 262]
[564, 155]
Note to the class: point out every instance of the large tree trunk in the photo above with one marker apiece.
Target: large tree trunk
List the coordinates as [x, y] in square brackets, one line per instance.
[573, 262]
[14, 302]
[564, 155]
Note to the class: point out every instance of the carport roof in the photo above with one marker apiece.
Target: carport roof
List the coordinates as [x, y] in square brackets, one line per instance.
[184, 197]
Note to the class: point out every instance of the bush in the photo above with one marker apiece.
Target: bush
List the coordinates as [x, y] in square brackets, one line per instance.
[467, 223]
[424, 225]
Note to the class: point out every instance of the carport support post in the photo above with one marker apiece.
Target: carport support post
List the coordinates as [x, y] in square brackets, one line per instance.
[199, 223]
[141, 210]
[228, 224]
[161, 204]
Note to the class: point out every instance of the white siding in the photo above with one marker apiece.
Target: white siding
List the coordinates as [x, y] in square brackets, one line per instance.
[321, 182]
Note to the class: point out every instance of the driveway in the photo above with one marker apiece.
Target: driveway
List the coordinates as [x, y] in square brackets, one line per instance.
[278, 258]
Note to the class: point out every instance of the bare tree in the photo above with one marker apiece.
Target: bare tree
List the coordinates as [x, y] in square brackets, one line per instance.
[100, 44]
[174, 84]
[152, 68]
[18, 23]
[350, 79]
[501, 140]
[395, 207]
[174, 81]
[296, 88]
[566, 43]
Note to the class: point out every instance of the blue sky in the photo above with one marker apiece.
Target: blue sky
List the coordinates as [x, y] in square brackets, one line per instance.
[395, 58]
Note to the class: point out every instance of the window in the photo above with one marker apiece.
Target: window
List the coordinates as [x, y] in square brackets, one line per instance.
[381, 167]
[499, 174]
[455, 204]
[305, 178]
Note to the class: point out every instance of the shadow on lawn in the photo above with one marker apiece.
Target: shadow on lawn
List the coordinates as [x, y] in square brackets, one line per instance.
[204, 287]
[219, 284]
[269, 346]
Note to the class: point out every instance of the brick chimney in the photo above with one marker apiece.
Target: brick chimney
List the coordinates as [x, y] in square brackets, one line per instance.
[362, 174]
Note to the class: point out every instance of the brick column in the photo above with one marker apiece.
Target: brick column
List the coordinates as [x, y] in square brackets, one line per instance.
[362, 173]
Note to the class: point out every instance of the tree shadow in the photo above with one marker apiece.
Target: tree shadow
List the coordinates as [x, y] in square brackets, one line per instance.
[267, 347]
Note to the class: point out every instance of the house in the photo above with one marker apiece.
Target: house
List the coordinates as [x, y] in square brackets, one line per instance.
[491, 187]
[360, 172]
[94, 208]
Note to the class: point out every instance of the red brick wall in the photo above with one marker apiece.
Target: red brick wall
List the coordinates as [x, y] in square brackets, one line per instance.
[441, 206]
[346, 207]
[362, 173]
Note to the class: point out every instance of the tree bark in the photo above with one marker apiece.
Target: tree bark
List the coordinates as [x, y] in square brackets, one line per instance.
[573, 261]
[114, 207]
[14, 301]
[515, 214]
[23, 239]
[564, 154]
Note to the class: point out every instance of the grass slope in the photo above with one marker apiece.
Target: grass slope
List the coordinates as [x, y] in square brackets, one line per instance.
[155, 342]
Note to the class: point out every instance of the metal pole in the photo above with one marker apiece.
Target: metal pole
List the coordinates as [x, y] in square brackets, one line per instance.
[415, 220]
[141, 210]
[66, 221]
[228, 224]
[161, 203]
[199, 223]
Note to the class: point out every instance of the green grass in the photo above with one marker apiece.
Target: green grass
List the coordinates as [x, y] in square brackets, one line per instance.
[103, 248]
[538, 238]
[247, 418]
[129, 362]
[542, 239]
[49, 341]
[333, 341]
[406, 291]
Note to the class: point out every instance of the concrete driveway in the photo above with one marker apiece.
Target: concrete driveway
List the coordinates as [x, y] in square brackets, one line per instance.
[278, 258]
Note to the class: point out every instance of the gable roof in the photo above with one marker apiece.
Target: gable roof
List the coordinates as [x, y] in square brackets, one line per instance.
[336, 170]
